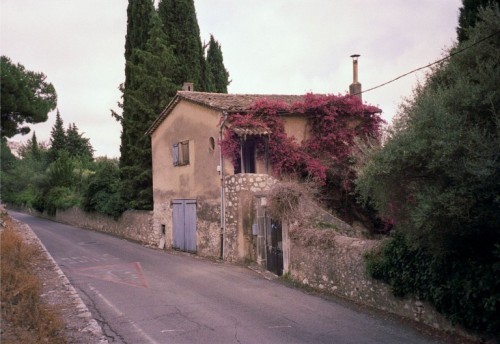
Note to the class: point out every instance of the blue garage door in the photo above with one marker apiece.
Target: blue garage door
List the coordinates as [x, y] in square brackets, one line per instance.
[184, 224]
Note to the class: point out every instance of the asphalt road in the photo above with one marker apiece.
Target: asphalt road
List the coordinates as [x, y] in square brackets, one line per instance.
[144, 295]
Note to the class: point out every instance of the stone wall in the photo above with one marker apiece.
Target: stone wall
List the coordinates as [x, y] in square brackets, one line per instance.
[334, 264]
[240, 192]
[208, 240]
[136, 225]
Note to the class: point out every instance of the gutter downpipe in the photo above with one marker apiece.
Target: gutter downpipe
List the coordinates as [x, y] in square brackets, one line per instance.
[222, 194]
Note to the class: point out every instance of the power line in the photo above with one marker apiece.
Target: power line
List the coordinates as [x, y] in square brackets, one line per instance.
[430, 64]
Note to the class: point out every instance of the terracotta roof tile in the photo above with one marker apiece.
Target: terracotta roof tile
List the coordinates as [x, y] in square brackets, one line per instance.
[234, 102]
[251, 131]
[230, 103]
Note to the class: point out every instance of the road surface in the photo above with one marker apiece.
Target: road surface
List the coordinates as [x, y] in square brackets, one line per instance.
[145, 295]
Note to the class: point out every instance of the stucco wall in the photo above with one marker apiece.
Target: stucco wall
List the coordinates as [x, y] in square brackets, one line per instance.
[198, 180]
[335, 264]
[297, 127]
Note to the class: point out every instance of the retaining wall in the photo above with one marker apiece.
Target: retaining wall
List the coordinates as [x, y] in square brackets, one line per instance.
[335, 264]
[136, 225]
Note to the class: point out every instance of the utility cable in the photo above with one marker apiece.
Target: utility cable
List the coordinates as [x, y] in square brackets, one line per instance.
[430, 64]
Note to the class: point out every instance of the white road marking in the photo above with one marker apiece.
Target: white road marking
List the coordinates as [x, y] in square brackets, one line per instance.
[120, 314]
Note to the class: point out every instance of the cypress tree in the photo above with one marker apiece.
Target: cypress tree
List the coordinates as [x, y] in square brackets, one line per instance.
[57, 138]
[151, 89]
[183, 34]
[139, 16]
[219, 76]
[34, 148]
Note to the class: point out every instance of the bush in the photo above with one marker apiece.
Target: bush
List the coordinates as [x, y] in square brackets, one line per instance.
[438, 178]
[103, 190]
[60, 197]
[466, 291]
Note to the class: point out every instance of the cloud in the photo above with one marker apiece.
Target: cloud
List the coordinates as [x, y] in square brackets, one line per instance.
[269, 46]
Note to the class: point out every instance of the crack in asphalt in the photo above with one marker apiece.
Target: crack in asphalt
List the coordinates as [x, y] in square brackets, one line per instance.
[186, 317]
[100, 319]
[236, 332]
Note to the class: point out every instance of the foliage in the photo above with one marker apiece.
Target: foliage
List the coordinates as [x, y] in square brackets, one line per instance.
[150, 90]
[70, 141]
[103, 189]
[183, 35]
[77, 145]
[466, 291]
[438, 178]
[469, 15]
[7, 158]
[26, 98]
[7, 167]
[326, 156]
[35, 183]
[438, 173]
[139, 15]
[219, 76]
[19, 177]
[60, 197]
[57, 138]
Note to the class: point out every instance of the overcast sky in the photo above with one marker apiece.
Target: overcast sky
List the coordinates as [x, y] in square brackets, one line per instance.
[269, 47]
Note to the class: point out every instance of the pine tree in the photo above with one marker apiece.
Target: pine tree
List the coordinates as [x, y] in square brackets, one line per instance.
[77, 145]
[219, 76]
[57, 138]
[26, 98]
[183, 34]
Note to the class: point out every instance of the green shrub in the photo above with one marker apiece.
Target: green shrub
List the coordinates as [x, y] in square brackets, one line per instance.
[60, 197]
[102, 193]
[466, 291]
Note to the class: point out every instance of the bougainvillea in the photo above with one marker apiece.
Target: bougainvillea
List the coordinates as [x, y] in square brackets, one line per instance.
[325, 156]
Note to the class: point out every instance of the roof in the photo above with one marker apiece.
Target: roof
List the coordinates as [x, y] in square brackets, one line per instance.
[244, 132]
[234, 102]
[230, 103]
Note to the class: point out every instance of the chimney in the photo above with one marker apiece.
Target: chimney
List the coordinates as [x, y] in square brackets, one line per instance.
[188, 86]
[355, 87]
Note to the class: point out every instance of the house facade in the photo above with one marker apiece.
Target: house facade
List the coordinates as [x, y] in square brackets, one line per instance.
[204, 204]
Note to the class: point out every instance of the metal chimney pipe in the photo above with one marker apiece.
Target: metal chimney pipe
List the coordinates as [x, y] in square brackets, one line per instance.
[355, 68]
[355, 87]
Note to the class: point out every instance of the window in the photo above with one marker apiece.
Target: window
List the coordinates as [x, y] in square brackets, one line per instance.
[246, 164]
[211, 144]
[180, 153]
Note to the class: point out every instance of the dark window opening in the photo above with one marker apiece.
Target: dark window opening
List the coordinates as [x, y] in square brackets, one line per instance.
[246, 163]
[211, 144]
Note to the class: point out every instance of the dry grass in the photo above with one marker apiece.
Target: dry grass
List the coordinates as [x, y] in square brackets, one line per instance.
[25, 318]
[292, 202]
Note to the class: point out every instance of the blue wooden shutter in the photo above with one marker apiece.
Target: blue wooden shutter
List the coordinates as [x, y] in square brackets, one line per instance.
[175, 154]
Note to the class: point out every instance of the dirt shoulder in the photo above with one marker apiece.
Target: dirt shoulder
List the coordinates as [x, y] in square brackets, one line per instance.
[57, 291]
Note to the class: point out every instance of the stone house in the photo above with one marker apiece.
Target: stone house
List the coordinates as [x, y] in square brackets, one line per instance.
[204, 204]
[193, 185]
